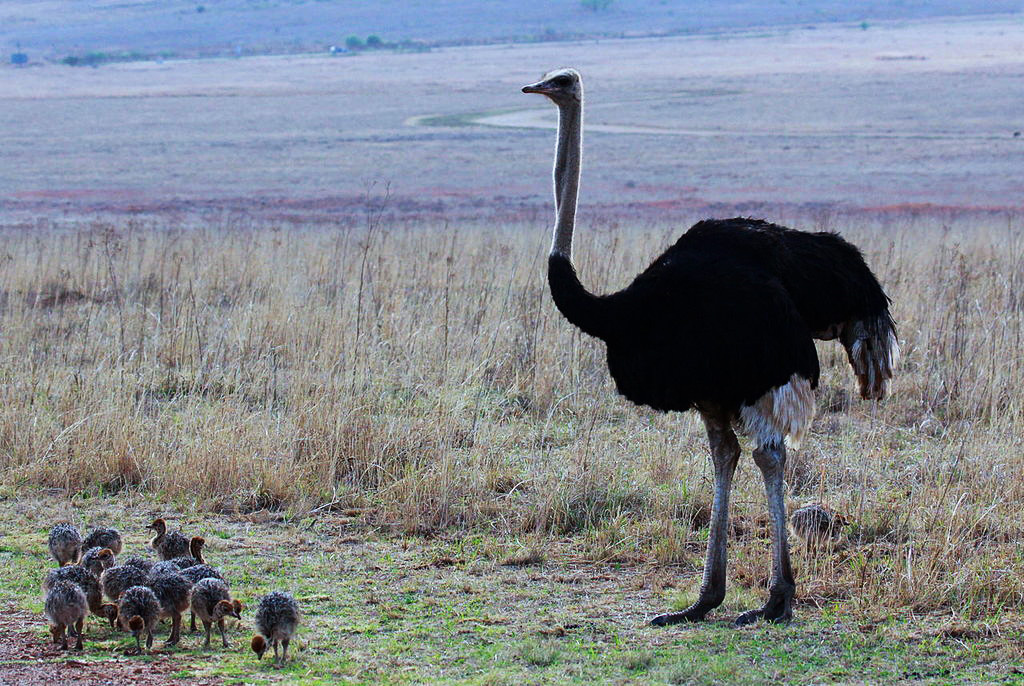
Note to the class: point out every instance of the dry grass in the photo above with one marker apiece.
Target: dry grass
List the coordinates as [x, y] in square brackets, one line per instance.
[421, 373]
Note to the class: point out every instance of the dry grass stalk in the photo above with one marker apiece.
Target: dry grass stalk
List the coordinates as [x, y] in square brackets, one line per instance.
[389, 365]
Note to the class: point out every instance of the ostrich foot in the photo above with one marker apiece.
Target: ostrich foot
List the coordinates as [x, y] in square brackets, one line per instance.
[694, 613]
[777, 609]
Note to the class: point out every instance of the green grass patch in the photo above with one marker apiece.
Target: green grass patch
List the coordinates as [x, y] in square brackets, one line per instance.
[385, 609]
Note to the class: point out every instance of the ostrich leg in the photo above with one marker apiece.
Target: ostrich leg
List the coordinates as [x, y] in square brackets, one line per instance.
[725, 453]
[175, 629]
[772, 459]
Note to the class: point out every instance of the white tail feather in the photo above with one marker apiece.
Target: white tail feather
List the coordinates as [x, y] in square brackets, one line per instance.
[873, 351]
[784, 411]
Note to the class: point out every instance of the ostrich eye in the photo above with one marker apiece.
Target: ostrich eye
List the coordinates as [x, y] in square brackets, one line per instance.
[562, 81]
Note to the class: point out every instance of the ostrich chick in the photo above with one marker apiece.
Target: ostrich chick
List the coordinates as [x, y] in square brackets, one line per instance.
[276, 619]
[195, 556]
[211, 602]
[168, 544]
[195, 574]
[103, 537]
[138, 561]
[65, 544]
[117, 580]
[172, 590]
[138, 612]
[66, 608]
[81, 577]
[815, 525]
[96, 560]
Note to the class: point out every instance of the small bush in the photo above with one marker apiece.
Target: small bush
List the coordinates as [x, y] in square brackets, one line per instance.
[354, 43]
[96, 58]
[374, 41]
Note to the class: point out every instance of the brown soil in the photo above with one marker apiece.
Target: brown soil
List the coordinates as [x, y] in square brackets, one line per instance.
[25, 660]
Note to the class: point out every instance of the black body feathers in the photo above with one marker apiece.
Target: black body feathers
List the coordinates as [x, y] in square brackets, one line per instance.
[726, 314]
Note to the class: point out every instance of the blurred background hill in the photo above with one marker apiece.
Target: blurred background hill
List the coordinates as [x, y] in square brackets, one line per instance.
[54, 30]
[721, 107]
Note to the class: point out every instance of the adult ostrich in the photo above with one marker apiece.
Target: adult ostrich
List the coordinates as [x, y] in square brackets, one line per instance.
[724, 322]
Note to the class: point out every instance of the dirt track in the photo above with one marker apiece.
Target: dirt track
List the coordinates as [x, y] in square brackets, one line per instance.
[544, 119]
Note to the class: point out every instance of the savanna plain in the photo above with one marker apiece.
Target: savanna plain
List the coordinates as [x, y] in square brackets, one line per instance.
[349, 378]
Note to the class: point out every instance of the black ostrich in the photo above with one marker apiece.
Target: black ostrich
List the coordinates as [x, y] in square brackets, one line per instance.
[724, 322]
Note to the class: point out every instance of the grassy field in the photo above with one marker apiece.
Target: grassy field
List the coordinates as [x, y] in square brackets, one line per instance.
[418, 379]
[380, 608]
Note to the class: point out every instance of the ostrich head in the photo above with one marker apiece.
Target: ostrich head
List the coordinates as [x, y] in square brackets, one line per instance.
[225, 608]
[136, 624]
[259, 646]
[109, 610]
[195, 547]
[563, 86]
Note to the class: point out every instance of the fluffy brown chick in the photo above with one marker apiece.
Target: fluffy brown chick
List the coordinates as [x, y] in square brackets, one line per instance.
[96, 560]
[172, 590]
[120, 578]
[65, 543]
[79, 575]
[195, 556]
[277, 617]
[138, 611]
[211, 602]
[168, 544]
[104, 537]
[66, 608]
[815, 525]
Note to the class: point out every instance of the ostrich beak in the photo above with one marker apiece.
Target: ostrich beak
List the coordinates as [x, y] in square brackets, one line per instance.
[539, 87]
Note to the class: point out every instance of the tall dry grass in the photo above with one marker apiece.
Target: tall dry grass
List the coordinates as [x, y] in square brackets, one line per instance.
[420, 371]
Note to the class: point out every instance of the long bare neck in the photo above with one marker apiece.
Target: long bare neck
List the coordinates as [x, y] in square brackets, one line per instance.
[568, 154]
[590, 313]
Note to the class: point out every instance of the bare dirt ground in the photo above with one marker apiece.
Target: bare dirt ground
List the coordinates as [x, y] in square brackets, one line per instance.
[26, 661]
[922, 113]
